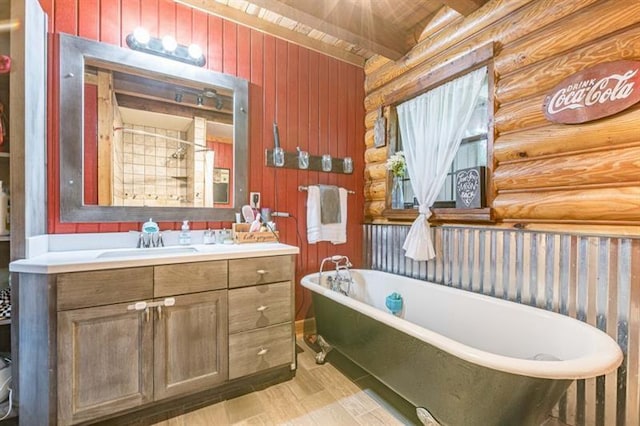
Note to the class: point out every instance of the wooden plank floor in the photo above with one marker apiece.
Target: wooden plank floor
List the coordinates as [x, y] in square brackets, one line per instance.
[336, 393]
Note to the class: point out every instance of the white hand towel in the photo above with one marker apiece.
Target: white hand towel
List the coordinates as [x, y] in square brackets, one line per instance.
[316, 231]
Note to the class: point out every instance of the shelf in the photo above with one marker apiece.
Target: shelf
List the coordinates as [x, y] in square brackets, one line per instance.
[5, 237]
[438, 215]
[315, 163]
[4, 155]
[5, 321]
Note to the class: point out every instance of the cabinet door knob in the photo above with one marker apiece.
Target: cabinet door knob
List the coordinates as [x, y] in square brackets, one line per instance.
[262, 351]
[261, 271]
[262, 308]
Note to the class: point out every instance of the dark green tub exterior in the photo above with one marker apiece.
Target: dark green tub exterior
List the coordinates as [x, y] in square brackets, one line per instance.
[455, 392]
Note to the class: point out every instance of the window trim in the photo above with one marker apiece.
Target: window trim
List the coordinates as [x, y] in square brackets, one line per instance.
[481, 57]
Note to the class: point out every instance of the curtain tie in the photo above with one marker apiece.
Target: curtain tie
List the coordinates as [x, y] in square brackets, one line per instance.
[424, 211]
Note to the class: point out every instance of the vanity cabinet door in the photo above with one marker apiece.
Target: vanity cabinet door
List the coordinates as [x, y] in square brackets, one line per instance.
[191, 352]
[105, 361]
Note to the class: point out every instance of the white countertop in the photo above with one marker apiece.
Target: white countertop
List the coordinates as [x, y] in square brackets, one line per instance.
[53, 262]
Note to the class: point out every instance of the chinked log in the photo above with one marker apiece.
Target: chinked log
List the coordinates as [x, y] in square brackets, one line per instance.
[415, 79]
[430, 74]
[369, 138]
[611, 166]
[375, 190]
[441, 20]
[375, 155]
[520, 115]
[374, 209]
[605, 205]
[491, 13]
[524, 19]
[567, 34]
[609, 132]
[370, 119]
[375, 171]
[543, 76]
[375, 62]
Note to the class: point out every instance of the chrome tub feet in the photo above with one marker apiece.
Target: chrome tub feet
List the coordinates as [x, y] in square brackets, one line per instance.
[325, 348]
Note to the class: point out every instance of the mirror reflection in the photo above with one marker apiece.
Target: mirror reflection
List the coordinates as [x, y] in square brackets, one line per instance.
[155, 143]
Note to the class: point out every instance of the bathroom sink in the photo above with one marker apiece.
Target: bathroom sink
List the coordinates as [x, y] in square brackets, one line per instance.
[144, 252]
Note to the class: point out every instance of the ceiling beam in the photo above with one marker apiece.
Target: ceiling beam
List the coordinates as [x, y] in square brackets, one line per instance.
[348, 25]
[242, 18]
[464, 7]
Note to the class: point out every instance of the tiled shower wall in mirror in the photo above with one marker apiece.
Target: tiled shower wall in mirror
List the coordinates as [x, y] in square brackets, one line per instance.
[592, 278]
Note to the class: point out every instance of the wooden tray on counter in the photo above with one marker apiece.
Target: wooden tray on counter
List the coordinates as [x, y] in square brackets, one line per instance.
[242, 235]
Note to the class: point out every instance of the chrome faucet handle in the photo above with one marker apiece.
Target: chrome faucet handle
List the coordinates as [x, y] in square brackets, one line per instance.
[140, 237]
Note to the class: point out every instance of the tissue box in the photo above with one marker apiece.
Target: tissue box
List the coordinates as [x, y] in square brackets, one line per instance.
[242, 235]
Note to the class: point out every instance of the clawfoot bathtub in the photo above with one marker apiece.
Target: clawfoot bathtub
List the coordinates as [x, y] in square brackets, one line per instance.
[468, 359]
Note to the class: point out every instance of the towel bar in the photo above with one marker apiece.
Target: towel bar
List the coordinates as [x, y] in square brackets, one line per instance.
[304, 188]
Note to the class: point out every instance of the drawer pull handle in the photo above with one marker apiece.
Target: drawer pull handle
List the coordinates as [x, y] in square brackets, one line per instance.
[262, 351]
[261, 271]
[138, 306]
[262, 308]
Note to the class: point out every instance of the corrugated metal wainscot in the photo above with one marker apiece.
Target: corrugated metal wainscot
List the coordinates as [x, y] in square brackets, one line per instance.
[595, 279]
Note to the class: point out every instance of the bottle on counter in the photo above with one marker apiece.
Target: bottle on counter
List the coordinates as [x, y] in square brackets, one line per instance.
[185, 234]
[4, 211]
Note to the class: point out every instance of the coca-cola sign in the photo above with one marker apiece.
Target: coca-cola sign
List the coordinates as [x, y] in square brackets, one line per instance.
[595, 92]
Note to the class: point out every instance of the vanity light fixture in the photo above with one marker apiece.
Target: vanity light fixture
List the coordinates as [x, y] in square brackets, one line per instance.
[166, 46]
[141, 36]
[199, 100]
[195, 51]
[178, 97]
[169, 44]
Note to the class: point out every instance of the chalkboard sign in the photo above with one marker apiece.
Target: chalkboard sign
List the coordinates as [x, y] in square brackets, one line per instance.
[470, 188]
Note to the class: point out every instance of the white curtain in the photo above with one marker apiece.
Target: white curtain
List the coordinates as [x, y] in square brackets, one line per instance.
[431, 126]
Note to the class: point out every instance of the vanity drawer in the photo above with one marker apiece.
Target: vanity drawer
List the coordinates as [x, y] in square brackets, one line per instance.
[183, 278]
[258, 350]
[95, 288]
[259, 306]
[260, 270]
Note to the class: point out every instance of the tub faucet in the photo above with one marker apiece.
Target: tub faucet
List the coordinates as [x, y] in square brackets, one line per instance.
[341, 281]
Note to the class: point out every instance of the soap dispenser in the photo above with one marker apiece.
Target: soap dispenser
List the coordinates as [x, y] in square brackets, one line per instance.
[185, 235]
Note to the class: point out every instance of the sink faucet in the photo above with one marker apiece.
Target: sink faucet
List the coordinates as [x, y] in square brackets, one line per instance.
[150, 235]
[341, 281]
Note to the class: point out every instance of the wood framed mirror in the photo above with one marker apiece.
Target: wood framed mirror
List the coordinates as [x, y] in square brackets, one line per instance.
[142, 136]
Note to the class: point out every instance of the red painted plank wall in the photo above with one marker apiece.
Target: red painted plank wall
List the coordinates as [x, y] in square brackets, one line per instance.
[316, 100]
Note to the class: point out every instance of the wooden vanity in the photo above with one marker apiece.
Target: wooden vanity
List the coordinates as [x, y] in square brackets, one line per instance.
[99, 343]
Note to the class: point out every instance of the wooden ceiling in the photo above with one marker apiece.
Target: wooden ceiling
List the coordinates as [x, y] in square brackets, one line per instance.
[351, 30]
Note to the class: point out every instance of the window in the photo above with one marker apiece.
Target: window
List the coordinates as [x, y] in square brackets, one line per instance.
[474, 152]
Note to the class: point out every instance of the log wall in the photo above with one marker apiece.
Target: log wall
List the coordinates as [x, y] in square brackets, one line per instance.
[587, 174]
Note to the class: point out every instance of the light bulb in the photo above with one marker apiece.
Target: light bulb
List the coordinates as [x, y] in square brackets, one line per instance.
[195, 51]
[141, 35]
[169, 43]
